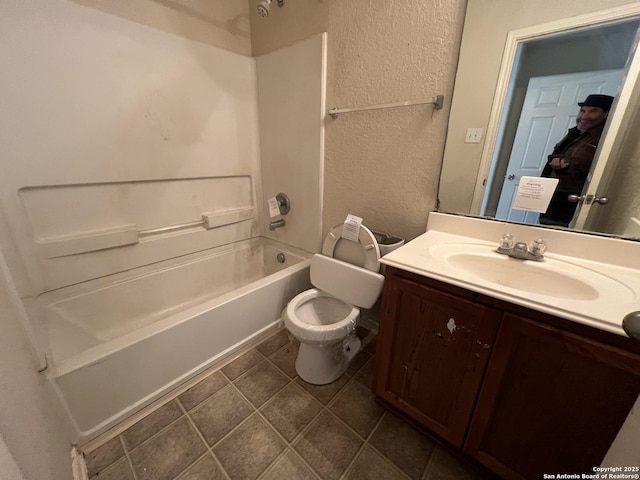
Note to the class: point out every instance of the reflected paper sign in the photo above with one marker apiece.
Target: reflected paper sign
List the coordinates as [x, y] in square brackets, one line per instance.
[534, 193]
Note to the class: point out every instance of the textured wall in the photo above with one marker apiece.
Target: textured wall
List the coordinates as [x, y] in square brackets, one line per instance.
[381, 165]
[221, 23]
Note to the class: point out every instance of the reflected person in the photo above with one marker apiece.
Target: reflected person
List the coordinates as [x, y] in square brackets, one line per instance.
[571, 158]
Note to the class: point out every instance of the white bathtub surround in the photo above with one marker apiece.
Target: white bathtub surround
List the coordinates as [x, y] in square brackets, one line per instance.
[121, 125]
[133, 155]
[120, 343]
[291, 98]
[608, 267]
[35, 436]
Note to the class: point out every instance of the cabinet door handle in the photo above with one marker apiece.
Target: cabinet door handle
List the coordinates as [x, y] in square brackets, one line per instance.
[631, 324]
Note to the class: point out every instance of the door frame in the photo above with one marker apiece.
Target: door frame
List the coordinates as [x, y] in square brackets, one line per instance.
[610, 147]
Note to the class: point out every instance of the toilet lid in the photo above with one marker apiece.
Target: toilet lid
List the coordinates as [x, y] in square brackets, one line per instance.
[365, 253]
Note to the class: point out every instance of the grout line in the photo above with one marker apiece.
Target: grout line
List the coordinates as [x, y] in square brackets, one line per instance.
[203, 440]
[384, 457]
[351, 378]
[205, 399]
[268, 399]
[244, 420]
[301, 435]
[277, 366]
[246, 372]
[353, 461]
[427, 467]
[128, 458]
[272, 464]
[158, 433]
[289, 445]
[177, 477]
[302, 432]
[390, 461]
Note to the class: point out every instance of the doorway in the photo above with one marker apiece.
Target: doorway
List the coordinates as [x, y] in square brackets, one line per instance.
[549, 110]
[581, 51]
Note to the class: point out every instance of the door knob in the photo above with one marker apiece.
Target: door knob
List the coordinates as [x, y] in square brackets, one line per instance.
[588, 199]
[511, 177]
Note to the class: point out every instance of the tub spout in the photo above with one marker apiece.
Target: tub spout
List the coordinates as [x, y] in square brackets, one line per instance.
[277, 224]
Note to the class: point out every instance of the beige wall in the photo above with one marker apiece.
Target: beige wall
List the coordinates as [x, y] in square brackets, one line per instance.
[220, 23]
[485, 31]
[380, 165]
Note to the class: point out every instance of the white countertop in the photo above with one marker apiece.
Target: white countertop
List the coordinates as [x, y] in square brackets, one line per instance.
[616, 279]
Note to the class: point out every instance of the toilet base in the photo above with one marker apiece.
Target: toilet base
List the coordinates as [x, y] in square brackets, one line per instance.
[320, 365]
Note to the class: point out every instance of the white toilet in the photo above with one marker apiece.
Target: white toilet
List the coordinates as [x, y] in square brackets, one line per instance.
[324, 319]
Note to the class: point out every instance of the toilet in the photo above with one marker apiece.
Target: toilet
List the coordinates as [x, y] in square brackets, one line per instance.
[324, 318]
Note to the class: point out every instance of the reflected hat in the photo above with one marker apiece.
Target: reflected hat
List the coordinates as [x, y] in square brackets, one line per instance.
[601, 101]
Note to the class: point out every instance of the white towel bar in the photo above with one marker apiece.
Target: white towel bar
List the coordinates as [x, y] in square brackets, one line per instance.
[437, 102]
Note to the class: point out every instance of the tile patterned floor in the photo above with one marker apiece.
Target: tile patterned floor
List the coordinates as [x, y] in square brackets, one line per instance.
[255, 419]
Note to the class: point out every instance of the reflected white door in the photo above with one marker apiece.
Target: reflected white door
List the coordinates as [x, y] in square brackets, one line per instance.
[549, 110]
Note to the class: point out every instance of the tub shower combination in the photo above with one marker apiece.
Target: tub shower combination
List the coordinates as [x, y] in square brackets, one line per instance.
[119, 344]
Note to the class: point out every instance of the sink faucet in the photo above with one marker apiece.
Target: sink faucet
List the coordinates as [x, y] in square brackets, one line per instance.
[277, 224]
[508, 246]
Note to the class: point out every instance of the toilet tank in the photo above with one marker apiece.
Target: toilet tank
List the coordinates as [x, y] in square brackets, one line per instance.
[351, 284]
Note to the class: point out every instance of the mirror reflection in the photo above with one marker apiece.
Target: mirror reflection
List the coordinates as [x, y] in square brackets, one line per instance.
[561, 93]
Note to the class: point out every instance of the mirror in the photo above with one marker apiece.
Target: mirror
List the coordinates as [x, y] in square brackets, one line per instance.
[524, 46]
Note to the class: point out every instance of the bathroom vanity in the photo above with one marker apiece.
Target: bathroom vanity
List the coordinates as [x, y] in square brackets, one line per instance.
[492, 355]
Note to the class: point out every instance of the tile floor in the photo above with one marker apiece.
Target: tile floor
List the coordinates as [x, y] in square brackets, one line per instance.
[255, 419]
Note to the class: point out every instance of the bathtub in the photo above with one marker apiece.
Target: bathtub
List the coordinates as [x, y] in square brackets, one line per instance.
[119, 343]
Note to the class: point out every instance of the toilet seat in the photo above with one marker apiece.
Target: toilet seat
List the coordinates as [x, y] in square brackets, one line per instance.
[317, 317]
[365, 253]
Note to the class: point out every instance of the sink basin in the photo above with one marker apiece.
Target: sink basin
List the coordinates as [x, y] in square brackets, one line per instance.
[550, 278]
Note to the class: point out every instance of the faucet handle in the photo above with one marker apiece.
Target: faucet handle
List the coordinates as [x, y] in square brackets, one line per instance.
[507, 241]
[538, 247]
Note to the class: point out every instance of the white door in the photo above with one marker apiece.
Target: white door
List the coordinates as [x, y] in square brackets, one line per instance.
[549, 110]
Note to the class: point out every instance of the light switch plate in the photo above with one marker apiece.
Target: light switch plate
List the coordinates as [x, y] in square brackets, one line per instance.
[473, 135]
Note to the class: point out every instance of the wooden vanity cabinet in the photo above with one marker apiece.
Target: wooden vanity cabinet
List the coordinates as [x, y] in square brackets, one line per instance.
[521, 392]
[551, 401]
[432, 352]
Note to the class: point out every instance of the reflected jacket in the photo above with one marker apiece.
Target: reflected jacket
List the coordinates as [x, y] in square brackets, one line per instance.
[580, 148]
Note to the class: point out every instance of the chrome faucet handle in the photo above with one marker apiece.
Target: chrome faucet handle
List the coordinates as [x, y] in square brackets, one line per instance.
[506, 243]
[538, 247]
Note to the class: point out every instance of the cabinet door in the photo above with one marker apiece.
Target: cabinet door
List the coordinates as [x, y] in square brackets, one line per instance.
[433, 351]
[552, 402]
